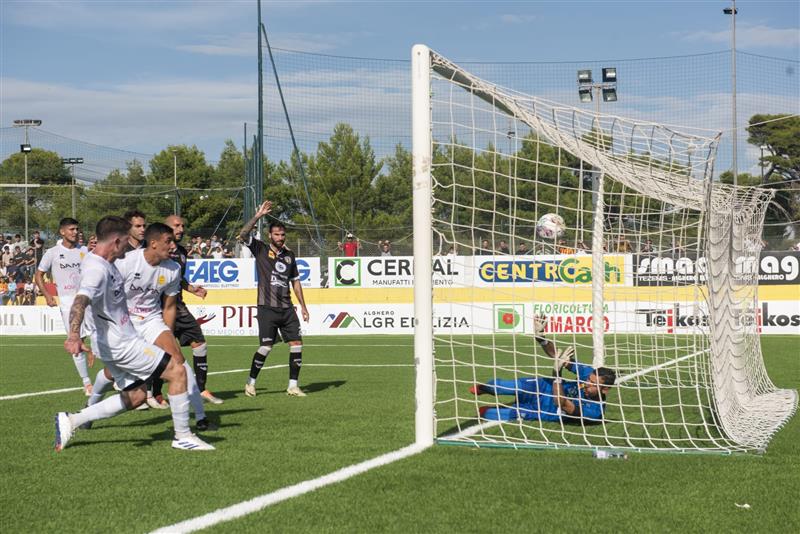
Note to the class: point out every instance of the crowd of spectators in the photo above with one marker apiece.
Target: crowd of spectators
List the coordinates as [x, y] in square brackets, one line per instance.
[213, 247]
[18, 261]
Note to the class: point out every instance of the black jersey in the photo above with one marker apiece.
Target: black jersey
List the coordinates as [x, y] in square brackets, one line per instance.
[276, 270]
[128, 247]
[179, 256]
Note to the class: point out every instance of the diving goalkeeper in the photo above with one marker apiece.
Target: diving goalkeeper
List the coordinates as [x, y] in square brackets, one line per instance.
[551, 399]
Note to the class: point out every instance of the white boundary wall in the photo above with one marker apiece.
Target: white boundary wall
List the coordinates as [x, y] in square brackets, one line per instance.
[773, 317]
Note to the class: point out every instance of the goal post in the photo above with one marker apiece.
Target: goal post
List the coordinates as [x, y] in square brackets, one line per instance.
[489, 165]
[423, 245]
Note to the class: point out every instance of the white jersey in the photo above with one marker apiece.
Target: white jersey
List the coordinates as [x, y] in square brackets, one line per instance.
[104, 285]
[65, 266]
[145, 283]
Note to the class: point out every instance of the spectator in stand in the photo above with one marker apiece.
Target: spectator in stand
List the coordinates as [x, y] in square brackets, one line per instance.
[624, 246]
[37, 245]
[451, 251]
[351, 245]
[486, 248]
[522, 250]
[217, 253]
[17, 261]
[18, 242]
[386, 248]
[29, 293]
[2, 241]
[11, 294]
[29, 265]
[502, 247]
[92, 242]
[563, 248]
[796, 247]
[194, 248]
[583, 247]
[3, 289]
[647, 247]
[215, 242]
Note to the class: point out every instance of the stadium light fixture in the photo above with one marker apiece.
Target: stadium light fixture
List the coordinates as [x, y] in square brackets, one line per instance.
[585, 95]
[609, 94]
[584, 76]
[610, 75]
[25, 148]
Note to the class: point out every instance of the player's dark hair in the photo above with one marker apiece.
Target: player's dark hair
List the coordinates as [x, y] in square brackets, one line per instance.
[156, 230]
[276, 224]
[67, 221]
[111, 225]
[130, 214]
[608, 376]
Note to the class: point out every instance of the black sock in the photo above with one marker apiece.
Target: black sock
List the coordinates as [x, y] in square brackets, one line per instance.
[295, 361]
[258, 363]
[201, 371]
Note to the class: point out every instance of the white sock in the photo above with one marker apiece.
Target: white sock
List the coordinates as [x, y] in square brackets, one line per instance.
[179, 404]
[101, 410]
[292, 383]
[83, 369]
[194, 393]
[251, 381]
[100, 385]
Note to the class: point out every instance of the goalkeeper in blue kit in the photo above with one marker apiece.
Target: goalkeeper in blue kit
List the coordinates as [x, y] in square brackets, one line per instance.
[551, 398]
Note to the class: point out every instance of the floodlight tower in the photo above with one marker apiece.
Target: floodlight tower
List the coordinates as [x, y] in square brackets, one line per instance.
[25, 148]
[72, 162]
[605, 90]
[732, 11]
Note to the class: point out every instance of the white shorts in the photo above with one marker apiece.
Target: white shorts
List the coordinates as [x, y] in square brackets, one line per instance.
[149, 328]
[136, 361]
[87, 328]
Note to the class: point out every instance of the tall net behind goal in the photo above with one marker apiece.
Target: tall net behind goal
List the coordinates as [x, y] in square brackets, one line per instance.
[614, 231]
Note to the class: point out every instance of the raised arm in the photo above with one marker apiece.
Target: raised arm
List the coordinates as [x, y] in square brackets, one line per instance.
[549, 347]
[263, 209]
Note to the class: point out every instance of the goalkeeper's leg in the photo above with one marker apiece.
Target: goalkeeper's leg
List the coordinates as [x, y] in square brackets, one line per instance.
[497, 387]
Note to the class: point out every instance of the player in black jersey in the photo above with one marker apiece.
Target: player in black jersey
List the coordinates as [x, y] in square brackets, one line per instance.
[138, 222]
[277, 269]
[187, 329]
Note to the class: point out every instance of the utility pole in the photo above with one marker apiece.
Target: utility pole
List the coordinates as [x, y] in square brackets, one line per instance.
[72, 162]
[732, 11]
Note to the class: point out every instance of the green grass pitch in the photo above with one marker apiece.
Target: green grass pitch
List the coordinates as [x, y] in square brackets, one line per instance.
[122, 476]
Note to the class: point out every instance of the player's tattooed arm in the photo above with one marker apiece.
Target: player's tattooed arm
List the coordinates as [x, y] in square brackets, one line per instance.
[263, 209]
[76, 314]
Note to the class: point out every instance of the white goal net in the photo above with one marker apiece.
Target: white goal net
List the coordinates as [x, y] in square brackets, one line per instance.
[615, 232]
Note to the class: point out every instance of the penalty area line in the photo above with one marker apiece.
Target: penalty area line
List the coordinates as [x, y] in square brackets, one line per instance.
[263, 501]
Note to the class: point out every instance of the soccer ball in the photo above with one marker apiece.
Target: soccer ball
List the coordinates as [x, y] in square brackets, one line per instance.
[550, 226]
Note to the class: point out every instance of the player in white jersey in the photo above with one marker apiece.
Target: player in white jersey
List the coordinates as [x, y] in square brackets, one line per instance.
[152, 282]
[131, 360]
[63, 262]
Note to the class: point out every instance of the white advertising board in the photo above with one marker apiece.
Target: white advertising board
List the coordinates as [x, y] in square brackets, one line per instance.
[241, 273]
[772, 317]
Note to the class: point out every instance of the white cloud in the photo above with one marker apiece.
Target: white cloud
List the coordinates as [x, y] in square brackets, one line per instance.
[750, 36]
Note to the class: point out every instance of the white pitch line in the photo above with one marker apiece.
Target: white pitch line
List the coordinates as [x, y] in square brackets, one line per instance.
[278, 366]
[37, 393]
[263, 501]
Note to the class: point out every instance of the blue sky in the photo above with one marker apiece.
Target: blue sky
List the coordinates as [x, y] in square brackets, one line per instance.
[142, 75]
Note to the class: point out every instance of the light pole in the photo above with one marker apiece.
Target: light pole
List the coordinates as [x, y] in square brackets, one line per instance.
[25, 148]
[72, 162]
[589, 90]
[732, 11]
